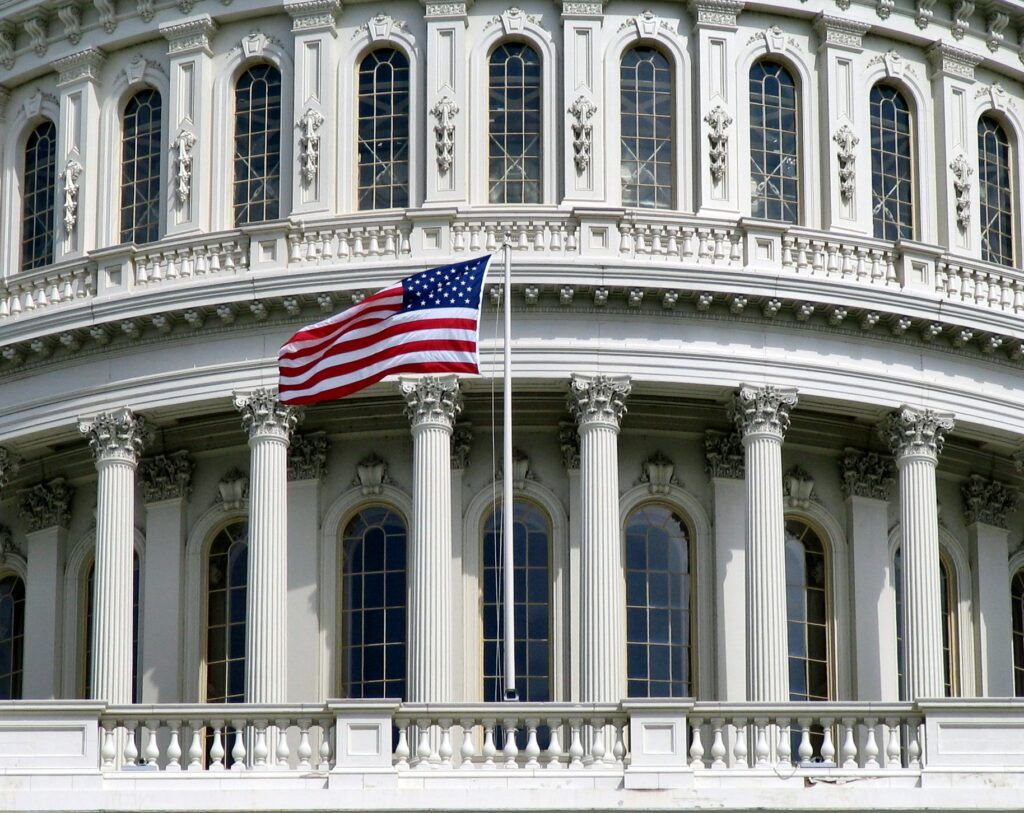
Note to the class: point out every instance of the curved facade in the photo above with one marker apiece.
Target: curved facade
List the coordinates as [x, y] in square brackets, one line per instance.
[768, 324]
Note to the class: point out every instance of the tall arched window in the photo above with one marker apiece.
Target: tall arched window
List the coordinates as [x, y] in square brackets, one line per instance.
[532, 562]
[646, 129]
[258, 145]
[373, 604]
[995, 189]
[141, 157]
[774, 143]
[1017, 610]
[658, 613]
[86, 675]
[807, 610]
[39, 192]
[514, 125]
[948, 599]
[227, 581]
[383, 131]
[892, 180]
[12, 635]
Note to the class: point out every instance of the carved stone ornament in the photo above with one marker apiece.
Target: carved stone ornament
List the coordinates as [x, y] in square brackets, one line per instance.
[911, 431]
[962, 11]
[255, 43]
[46, 505]
[146, 9]
[444, 132]
[798, 486]
[461, 445]
[35, 28]
[118, 435]
[513, 21]
[721, 13]
[598, 399]
[71, 18]
[962, 172]
[846, 142]
[723, 455]
[264, 415]
[309, 144]
[867, 474]
[8, 467]
[307, 456]
[182, 150]
[989, 501]
[371, 475]
[883, 8]
[380, 27]
[108, 14]
[658, 471]
[7, 58]
[431, 400]
[233, 490]
[569, 442]
[166, 477]
[582, 111]
[923, 13]
[521, 471]
[7, 546]
[994, 27]
[763, 410]
[72, 172]
[718, 121]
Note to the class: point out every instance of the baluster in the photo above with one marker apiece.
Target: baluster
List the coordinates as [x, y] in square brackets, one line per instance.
[718, 750]
[404, 247]
[294, 255]
[688, 240]
[344, 250]
[151, 751]
[5, 308]
[108, 750]
[202, 261]
[538, 236]
[1018, 296]
[327, 249]
[389, 243]
[558, 237]
[282, 752]
[521, 235]
[238, 749]
[492, 237]
[832, 268]
[890, 269]
[893, 758]
[141, 275]
[828, 750]
[784, 748]
[511, 749]
[402, 748]
[876, 265]
[849, 269]
[862, 267]
[474, 237]
[423, 745]
[736, 249]
[326, 731]
[570, 240]
[967, 285]
[618, 752]
[871, 745]
[817, 258]
[445, 750]
[696, 746]
[467, 751]
[739, 749]
[801, 255]
[597, 747]
[1005, 294]
[217, 747]
[639, 245]
[625, 238]
[532, 746]
[260, 751]
[305, 749]
[489, 751]
[787, 252]
[195, 746]
[849, 744]
[41, 299]
[131, 753]
[357, 243]
[174, 746]
[576, 743]
[672, 249]
[913, 744]
[761, 750]
[374, 243]
[553, 754]
[805, 750]
[656, 240]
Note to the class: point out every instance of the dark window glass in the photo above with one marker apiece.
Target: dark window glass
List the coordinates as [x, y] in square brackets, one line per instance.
[949, 633]
[514, 131]
[892, 198]
[257, 145]
[647, 128]
[12, 636]
[383, 130]
[807, 594]
[1017, 609]
[38, 197]
[774, 144]
[89, 614]
[996, 192]
[227, 580]
[141, 155]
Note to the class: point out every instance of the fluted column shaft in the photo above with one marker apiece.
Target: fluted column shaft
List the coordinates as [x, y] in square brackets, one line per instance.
[916, 437]
[432, 403]
[270, 424]
[598, 404]
[116, 439]
[762, 417]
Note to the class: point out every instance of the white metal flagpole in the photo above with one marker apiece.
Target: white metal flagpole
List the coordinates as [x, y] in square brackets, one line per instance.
[507, 532]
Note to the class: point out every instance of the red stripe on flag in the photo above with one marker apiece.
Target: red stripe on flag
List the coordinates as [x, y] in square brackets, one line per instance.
[363, 383]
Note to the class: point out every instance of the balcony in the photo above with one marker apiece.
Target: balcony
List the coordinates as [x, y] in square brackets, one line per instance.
[934, 754]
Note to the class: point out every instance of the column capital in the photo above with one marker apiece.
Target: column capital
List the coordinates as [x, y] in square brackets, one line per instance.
[867, 474]
[569, 440]
[597, 399]
[313, 15]
[948, 60]
[988, 501]
[840, 32]
[583, 9]
[9, 464]
[118, 435]
[447, 9]
[263, 415]
[462, 443]
[715, 13]
[911, 431]
[431, 400]
[723, 455]
[192, 34]
[166, 477]
[307, 456]
[763, 410]
[46, 505]
[83, 66]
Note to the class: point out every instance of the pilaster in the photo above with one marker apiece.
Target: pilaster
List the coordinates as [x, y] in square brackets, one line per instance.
[583, 80]
[447, 102]
[569, 441]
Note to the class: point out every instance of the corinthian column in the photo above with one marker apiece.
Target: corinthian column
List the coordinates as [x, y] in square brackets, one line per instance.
[270, 425]
[762, 418]
[598, 403]
[916, 437]
[116, 439]
[432, 404]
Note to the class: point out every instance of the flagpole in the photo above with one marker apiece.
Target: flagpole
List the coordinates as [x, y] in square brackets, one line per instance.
[507, 532]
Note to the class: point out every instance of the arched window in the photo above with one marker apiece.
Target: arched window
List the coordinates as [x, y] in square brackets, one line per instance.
[1017, 599]
[383, 132]
[90, 581]
[892, 180]
[774, 143]
[532, 562]
[514, 125]
[227, 581]
[39, 191]
[807, 611]
[141, 157]
[658, 612]
[647, 128]
[373, 604]
[948, 599]
[995, 189]
[258, 145]
[12, 635]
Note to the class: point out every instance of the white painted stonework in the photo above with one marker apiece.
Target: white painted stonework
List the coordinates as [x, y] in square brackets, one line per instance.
[747, 374]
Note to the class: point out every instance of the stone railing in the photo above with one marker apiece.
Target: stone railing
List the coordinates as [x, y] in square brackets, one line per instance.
[985, 285]
[312, 244]
[208, 255]
[46, 287]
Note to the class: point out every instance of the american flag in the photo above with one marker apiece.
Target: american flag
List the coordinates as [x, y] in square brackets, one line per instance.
[427, 323]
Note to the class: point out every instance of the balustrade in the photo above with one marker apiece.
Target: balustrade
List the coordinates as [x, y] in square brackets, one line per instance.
[210, 256]
[40, 289]
[982, 284]
[686, 242]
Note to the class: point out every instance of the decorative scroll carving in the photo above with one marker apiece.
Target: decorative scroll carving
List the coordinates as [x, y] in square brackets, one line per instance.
[444, 132]
[118, 435]
[846, 141]
[35, 28]
[146, 9]
[461, 445]
[569, 442]
[380, 27]
[166, 477]
[962, 172]
[883, 8]
[764, 409]
[989, 501]
[108, 14]
[264, 414]
[962, 11]
[718, 121]
[431, 399]
[233, 490]
[371, 475]
[7, 58]
[8, 467]
[598, 398]
[309, 144]
[995, 25]
[923, 13]
[72, 172]
[658, 471]
[582, 111]
[798, 486]
[46, 505]
[71, 18]
[307, 456]
[867, 474]
[723, 455]
[182, 146]
[913, 431]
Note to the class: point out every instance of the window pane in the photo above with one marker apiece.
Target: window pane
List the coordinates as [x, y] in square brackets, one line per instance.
[891, 165]
[382, 142]
[38, 197]
[226, 589]
[807, 612]
[774, 140]
[646, 122]
[995, 191]
[514, 135]
[12, 635]
[140, 168]
[257, 145]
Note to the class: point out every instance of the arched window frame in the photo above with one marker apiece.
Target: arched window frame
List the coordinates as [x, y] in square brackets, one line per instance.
[913, 159]
[1015, 570]
[15, 565]
[211, 537]
[264, 51]
[370, 38]
[1009, 126]
[540, 40]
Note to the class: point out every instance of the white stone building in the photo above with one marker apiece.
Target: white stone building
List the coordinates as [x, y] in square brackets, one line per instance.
[768, 317]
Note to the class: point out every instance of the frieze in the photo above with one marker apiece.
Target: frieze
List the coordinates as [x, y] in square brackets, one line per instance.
[82, 66]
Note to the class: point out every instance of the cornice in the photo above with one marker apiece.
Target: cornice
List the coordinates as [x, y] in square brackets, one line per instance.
[83, 66]
[189, 35]
[948, 60]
